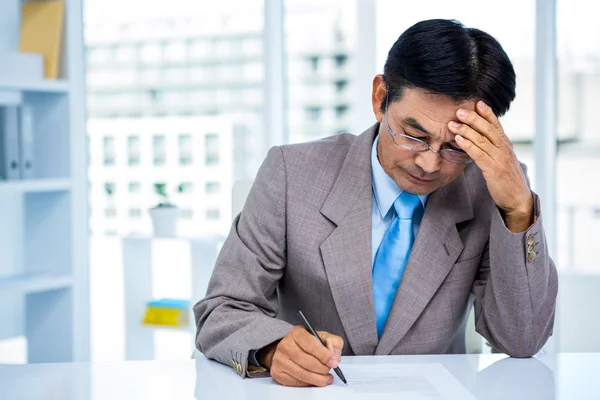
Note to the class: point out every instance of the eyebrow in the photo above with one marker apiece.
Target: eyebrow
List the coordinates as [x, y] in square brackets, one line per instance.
[410, 121]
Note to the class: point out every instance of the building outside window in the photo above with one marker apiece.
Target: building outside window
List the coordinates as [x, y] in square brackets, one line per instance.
[211, 141]
[159, 146]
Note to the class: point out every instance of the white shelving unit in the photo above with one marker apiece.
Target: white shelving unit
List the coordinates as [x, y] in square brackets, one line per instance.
[138, 287]
[44, 293]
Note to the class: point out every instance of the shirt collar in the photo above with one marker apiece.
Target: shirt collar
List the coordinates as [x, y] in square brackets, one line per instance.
[385, 189]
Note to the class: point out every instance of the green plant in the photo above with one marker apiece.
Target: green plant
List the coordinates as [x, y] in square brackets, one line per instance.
[161, 190]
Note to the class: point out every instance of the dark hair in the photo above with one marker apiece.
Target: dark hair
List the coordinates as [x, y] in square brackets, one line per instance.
[443, 57]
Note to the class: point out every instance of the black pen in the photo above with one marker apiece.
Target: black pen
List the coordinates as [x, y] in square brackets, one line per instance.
[309, 328]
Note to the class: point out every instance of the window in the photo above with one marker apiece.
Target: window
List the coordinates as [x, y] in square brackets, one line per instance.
[212, 149]
[341, 110]
[314, 63]
[125, 54]
[159, 146]
[176, 75]
[578, 100]
[109, 150]
[186, 187]
[212, 187]
[313, 113]
[133, 149]
[318, 63]
[110, 212]
[99, 56]
[176, 51]
[253, 71]
[135, 187]
[185, 149]
[252, 46]
[200, 49]
[341, 85]
[150, 76]
[135, 212]
[340, 60]
[109, 189]
[150, 52]
[213, 214]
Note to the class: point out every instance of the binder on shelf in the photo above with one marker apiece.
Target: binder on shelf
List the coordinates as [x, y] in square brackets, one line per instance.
[9, 143]
[41, 32]
[26, 142]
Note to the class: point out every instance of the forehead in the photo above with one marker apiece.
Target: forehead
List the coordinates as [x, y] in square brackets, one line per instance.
[433, 111]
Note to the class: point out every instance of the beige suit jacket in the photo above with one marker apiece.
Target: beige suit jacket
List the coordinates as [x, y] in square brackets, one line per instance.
[303, 241]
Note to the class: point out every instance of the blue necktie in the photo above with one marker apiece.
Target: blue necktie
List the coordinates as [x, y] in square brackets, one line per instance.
[392, 255]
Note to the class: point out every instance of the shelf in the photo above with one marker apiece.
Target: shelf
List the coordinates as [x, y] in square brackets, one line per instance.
[168, 328]
[42, 86]
[33, 283]
[35, 186]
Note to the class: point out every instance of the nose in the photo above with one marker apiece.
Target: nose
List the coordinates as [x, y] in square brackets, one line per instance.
[428, 161]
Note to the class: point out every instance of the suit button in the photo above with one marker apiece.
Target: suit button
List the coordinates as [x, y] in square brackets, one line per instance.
[531, 256]
[530, 239]
[531, 248]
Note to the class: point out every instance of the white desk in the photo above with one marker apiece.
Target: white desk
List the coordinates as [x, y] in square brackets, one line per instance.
[490, 376]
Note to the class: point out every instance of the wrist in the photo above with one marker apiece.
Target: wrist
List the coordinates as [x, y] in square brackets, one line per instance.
[519, 219]
[265, 355]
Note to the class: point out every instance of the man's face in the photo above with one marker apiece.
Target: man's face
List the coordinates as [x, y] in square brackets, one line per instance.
[424, 116]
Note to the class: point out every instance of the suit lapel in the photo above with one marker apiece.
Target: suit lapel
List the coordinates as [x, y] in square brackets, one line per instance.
[347, 251]
[434, 253]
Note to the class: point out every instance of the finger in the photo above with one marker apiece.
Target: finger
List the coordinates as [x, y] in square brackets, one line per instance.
[305, 376]
[481, 158]
[473, 136]
[309, 363]
[333, 343]
[285, 379]
[487, 113]
[480, 125]
[312, 346]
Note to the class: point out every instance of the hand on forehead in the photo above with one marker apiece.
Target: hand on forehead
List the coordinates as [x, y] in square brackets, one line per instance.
[431, 111]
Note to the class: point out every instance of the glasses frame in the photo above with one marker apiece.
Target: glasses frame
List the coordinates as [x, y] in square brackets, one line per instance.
[420, 142]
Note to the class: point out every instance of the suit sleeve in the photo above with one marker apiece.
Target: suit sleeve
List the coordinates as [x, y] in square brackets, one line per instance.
[238, 313]
[516, 288]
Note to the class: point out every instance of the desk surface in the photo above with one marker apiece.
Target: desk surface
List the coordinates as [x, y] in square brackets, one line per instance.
[565, 376]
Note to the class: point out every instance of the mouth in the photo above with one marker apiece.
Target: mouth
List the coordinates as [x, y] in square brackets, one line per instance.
[419, 180]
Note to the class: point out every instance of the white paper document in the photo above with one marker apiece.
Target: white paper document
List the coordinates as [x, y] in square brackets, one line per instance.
[396, 381]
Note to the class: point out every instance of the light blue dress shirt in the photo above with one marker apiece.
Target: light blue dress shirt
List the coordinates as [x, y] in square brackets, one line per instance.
[385, 192]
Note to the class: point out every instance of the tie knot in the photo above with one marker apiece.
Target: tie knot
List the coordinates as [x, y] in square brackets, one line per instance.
[406, 204]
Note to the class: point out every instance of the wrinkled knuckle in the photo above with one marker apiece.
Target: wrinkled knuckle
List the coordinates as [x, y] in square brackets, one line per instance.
[481, 140]
[302, 375]
[283, 347]
[295, 330]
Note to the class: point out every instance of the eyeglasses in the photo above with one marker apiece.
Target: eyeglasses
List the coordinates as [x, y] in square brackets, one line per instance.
[417, 145]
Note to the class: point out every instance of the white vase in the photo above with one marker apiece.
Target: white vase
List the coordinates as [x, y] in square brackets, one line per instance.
[165, 221]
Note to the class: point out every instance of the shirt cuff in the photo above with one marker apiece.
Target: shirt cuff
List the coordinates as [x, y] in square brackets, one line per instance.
[253, 360]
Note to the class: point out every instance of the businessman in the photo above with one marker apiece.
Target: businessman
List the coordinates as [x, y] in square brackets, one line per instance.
[386, 240]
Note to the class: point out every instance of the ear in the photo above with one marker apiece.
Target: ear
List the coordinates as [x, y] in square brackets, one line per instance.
[378, 96]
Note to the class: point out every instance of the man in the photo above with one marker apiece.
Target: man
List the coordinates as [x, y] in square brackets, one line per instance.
[384, 240]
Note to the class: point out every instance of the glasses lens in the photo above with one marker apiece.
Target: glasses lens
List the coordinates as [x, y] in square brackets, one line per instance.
[410, 143]
[458, 157]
